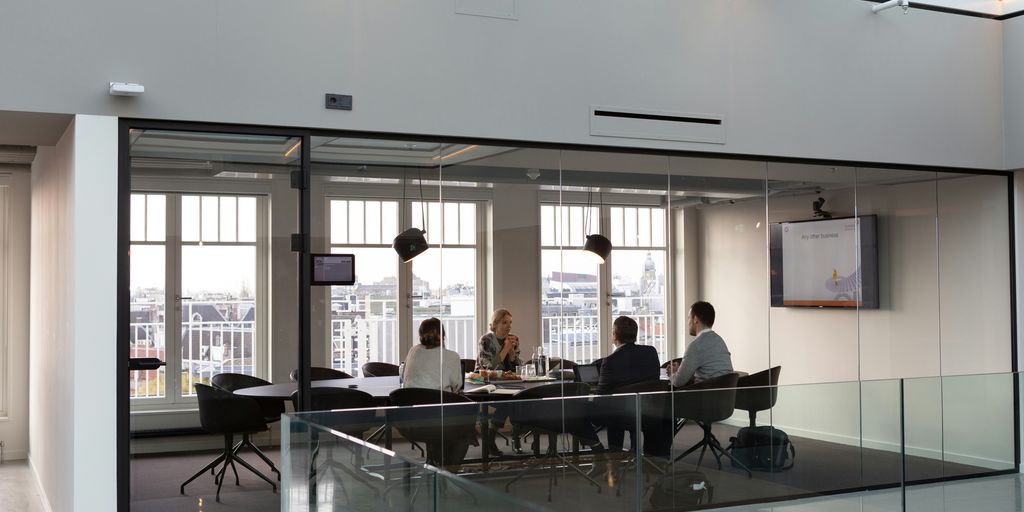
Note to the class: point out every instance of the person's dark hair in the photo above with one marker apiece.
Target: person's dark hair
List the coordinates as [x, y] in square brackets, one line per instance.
[704, 312]
[431, 332]
[625, 328]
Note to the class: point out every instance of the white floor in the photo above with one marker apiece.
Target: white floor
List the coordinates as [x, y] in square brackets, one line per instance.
[993, 494]
[18, 488]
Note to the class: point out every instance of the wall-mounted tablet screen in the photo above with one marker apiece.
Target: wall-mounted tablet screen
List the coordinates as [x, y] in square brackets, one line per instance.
[333, 269]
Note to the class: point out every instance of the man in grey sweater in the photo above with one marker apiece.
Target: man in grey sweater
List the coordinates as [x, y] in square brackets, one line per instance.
[707, 356]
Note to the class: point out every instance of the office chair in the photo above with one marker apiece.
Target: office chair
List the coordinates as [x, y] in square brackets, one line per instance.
[706, 402]
[758, 392]
[468, 365]
[221, 412]
[320, 373]
[272, 409]
[655, 423]
[379, 369]
[530, 410]
[357, 417]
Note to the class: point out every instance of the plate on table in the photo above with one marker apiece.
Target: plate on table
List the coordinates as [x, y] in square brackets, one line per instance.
[538, 378]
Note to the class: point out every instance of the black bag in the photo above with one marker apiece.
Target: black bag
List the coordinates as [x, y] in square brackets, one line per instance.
[762, 449]
[682, 488]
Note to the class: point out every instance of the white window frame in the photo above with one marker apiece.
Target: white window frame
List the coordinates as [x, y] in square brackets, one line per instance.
[176, 188]
[604, 203]
[393, 192]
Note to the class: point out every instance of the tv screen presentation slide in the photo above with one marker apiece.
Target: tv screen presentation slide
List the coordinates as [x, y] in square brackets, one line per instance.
[334, 269]
[821, 263]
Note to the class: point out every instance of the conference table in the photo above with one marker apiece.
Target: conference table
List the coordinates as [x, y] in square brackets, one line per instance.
[381, 387]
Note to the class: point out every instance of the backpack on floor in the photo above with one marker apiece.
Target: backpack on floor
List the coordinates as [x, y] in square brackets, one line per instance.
[682, 488]
[762, 449]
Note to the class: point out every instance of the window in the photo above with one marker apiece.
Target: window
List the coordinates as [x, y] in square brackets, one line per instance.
[198, 253]
[632, 280]
[367, 317]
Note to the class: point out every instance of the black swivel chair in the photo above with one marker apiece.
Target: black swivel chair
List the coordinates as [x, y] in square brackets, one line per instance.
[706, 402]
[379, 369]
[320, 373]
[552, 417]
[272, 409]
[430, 425]
[758, 392]
[358, 417]
[655, 416]
[221, 412]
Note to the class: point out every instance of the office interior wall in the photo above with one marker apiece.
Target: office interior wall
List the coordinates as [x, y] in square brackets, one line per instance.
[932, 79]
[515, 262]
[51, 334]
[1013, 83]
[952, 322]
[72, 328]
[14, 427]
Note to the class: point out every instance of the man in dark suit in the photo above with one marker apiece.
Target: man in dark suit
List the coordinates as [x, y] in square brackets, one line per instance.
[628, 364]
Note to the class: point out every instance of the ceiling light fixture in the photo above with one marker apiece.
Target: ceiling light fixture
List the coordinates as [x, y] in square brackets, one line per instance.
[292, 149]
[454, 154]
[597, 245]
[412, 242]
[905, 4]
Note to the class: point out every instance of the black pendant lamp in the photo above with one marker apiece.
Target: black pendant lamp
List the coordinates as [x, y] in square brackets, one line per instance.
[412, 242]
[597, 245]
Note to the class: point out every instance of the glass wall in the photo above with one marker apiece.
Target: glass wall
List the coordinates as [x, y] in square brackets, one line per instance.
[865, 312]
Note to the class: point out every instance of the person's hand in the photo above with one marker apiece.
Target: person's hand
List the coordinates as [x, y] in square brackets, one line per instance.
[673, 367]
[512, 338]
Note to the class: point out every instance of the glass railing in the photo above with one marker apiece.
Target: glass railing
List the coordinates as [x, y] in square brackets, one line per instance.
[884, 440]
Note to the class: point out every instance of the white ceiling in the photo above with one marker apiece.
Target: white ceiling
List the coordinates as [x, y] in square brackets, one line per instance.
[996, 7]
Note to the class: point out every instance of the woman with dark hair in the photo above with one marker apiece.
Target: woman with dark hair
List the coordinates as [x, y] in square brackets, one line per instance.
[429, 364]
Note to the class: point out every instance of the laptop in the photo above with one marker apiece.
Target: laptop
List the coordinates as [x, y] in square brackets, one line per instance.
[587, 374]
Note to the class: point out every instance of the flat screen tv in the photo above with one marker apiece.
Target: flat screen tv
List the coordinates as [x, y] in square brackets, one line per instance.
[333, 269]
[825, 263]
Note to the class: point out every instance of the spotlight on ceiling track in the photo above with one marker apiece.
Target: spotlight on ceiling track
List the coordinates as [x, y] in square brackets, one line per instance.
[905, 4]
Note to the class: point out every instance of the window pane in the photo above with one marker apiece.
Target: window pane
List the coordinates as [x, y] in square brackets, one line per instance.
[569, 318]
[445, 281]
[210, 217]
[630, 236]
[467, 223]
[389, 221]
[364, 317]
[617, 229]
[138, 217]
[576, 226]
[434, 221]
[451, 223]
[190, 218]
[547, 225]
[638, 290]
[644, 227]
[246, 219]
[148, 315]
[228, 222]
[156, 217]
[563, 223]
[339, 222]
[373, 222]
[219, 317]
[356, 228]
[658, 227]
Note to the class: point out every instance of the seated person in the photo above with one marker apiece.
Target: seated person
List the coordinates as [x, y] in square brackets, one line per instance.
[629, 363]
[430, 365]
[707, 356]
[498, 350]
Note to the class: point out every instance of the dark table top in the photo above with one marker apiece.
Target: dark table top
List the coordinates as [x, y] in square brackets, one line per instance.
[381, 387]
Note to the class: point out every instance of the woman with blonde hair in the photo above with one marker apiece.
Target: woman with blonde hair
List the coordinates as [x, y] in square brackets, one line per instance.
[498, 350]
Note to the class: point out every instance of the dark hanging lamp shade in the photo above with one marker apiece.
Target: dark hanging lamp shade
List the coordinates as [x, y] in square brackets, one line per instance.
[599, 246]
[410, 243]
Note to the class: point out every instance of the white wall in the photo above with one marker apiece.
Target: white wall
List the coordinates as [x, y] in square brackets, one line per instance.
[73, 307]
[14, 424]
[1013, 83]
[415, 66]
[943, 261]
[515, 262]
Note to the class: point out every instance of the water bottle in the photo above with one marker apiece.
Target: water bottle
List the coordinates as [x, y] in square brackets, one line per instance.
[401, 374]
[540, 362]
